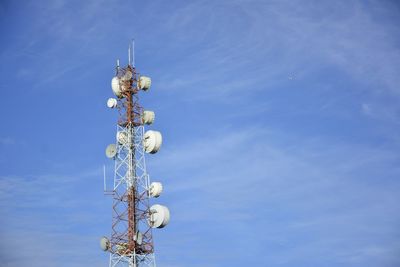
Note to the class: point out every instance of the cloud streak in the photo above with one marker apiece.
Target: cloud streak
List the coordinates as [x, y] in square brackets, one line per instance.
[280, 122]
[307, 199]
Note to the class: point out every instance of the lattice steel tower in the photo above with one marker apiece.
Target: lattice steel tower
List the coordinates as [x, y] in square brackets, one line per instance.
[131, 240]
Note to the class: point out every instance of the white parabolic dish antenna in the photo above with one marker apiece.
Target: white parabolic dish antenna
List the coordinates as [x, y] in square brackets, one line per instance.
[152, 141]
[112, 103]
[111, 151]
[116, 87]
[104, 243]
[159, 216]
[156, 189]
[144, 83]
[122, 138]
[148, 117]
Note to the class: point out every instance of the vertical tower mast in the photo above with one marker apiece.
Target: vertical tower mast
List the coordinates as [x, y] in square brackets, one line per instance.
[131, 241]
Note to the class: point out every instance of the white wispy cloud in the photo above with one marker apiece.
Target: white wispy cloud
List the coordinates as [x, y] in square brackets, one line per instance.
[7, 141]
[48, 217]
[260, 44]
[387, 113]
[290, 199]
[242, 181]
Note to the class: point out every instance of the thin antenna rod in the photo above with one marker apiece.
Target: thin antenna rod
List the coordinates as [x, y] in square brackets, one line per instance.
[129, 55]
[133, 52]
[117, 67]
[104, 177]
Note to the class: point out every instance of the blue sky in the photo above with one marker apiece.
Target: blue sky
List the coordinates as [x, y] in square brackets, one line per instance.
[280, 122]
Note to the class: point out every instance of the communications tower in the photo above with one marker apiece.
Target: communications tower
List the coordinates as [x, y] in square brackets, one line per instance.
[131, 241]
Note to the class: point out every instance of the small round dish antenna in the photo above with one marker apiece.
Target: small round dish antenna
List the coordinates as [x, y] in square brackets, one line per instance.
[152, 141]
[104, 243]
[156, 189]
[111, 151]
[144, 83]
[148, 117]
[159, 216]
[112, 103]
[122, 138]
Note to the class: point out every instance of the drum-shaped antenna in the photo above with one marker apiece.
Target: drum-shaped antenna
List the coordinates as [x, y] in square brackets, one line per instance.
[112, 103]
[156, 189]
[104, 243]
[122, 138]
[116, 87]
[144, 83]
[111, 151]
[152, 141]
[148, 117]
[159, 216]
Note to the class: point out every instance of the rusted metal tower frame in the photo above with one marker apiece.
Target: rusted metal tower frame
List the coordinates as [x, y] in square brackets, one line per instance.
[131, 207]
